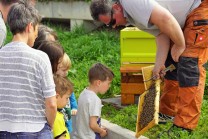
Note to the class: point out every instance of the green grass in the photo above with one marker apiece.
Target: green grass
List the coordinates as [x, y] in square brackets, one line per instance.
[102, 46]
[87, 49]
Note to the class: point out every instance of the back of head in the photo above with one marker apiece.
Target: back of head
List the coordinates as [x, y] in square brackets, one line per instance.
[20, 15]
[63, 85]
[98, 7]
[44, 33]
[100, 72]
[54, 51]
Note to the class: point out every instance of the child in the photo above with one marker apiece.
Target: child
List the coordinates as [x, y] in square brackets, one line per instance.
[88, 120]
[63, 68]
[64, 89]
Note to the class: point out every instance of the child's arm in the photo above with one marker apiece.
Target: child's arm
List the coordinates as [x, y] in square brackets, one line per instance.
[61, 137]
[73, 104]
[95, 127]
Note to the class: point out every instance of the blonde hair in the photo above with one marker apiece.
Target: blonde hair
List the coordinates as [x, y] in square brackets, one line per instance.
[66, 61]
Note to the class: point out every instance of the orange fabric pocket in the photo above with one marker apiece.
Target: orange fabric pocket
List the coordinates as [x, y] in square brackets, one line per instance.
[196, 37]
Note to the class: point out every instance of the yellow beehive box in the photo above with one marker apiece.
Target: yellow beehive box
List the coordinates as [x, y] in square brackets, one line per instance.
[137, 46]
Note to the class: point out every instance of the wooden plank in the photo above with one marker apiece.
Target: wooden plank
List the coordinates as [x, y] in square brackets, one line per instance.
[131, 78]
[139, 129]
[129, 68]
[132, 88]
[127, 99]
[147, 74]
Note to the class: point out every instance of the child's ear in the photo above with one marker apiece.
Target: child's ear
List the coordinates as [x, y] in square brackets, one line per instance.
[57, 95]
[98, 82]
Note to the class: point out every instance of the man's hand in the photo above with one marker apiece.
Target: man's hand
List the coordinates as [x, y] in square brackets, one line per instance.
[158, 71]
[176, 52]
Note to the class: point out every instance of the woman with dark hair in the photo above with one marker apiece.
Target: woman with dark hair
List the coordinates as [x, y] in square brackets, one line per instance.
[45, 33]
[54, 51]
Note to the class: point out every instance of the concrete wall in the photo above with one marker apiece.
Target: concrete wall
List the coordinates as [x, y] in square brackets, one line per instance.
[114, 131]
[118, 132]
[77, 12]
[66, 10]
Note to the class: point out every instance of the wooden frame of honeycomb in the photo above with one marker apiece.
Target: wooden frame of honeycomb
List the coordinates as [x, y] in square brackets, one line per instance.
[143, 127]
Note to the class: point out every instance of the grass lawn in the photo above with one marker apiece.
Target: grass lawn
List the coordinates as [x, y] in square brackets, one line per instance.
[103, 46]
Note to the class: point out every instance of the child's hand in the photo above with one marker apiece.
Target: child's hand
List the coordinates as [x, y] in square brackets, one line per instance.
[73, 112]
[104, 132]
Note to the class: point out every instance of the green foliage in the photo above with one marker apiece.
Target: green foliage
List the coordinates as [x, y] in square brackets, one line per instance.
[87, 49]
[9, 36]
[125, 117]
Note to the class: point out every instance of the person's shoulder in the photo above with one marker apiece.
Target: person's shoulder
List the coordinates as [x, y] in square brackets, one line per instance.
[88, 96]
[42, 56]
[87, 93]
[39, 52]
[84, 95]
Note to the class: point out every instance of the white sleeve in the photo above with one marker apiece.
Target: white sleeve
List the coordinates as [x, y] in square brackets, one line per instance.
[47, 82]
[139, 10]
[95, 107]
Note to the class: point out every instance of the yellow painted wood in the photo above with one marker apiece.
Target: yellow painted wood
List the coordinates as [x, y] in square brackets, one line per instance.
[147, 74]
[137, 46]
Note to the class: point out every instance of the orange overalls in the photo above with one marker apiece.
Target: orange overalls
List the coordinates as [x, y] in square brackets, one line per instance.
[169, 95]
[192, 68]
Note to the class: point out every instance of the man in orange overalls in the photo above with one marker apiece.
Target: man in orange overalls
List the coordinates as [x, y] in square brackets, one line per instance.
[184, 102]
[192, 68]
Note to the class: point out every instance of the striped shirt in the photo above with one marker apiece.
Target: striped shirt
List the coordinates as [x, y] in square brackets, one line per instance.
[2, 30]
[26, 79]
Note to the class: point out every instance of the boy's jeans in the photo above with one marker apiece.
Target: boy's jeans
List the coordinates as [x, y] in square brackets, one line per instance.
[45, 133]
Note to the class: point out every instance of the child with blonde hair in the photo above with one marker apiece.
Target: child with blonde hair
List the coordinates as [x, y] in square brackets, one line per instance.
[64, 66]
[62, 70]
